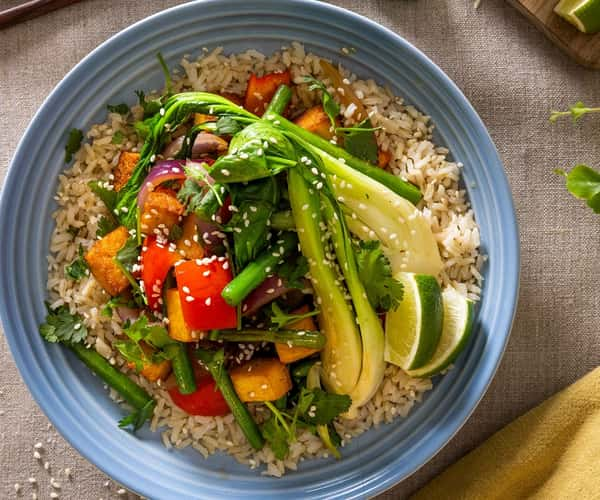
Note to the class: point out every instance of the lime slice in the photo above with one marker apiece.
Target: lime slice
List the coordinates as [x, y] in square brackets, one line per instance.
[583, 14]
[458, 324]
[413, 330]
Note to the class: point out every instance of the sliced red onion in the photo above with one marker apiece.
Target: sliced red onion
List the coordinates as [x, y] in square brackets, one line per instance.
[163, 171]
[208, 143]
[173, 147]
[269, 290]
[128, 313]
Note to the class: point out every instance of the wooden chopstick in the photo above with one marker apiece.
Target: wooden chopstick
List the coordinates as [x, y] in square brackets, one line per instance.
[31, 9]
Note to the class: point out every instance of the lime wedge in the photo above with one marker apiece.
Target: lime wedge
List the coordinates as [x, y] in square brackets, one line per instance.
[413, 330]
[583, 14]
[458, 324]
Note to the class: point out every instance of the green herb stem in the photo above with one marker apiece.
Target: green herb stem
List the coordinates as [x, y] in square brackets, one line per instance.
[301, 338]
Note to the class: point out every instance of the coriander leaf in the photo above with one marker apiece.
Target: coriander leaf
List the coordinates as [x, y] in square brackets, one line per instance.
[142, 128]
[375, 273]
[125, 259]
[361, 142]
[199, 200]
[78, 268]
[121, 109]
[279, 318]
[175, 233]
[330, 106]
[325, 407]
[62, 326]
[153, 335]
[73, 143]
[584, 182]
[105, 192]
[293, 272]
[151, 107]
[117, 137]
[576, 111]
[137, 417]
[277, 437]
[260, 150]
[105, 226]
[116, 302]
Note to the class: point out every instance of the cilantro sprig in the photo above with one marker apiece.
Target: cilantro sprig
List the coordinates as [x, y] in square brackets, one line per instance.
[73, 143]
[279, 318]
[583, 182]
[62, 326]
[576, 112]
[383, 291]
[330, 106]
[78, 268]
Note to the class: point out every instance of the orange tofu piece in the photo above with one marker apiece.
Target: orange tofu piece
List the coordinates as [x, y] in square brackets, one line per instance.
[315, 120]
[383, 158]
[178, 328]
[288, 354]
[199, 118]
[100, 259]
[162, 210]
[261, 379]
[187, 245]
[153, 371]
[124, 169]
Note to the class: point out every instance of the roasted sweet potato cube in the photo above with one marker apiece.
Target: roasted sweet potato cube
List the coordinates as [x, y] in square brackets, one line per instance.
[288, 354]
[188, 245]
[122, 172]
[162, 210]
[178, 328]
[261, 90]
[383, 158]
[152, 371]
[315, 120]
[100, 259]
[261, 379]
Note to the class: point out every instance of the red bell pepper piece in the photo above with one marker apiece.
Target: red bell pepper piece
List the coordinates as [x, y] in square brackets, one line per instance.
[200, 283]
[206, 401]
[261, 90]
[156, 259]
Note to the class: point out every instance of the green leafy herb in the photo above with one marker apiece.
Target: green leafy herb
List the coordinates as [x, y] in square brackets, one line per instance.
[78, 268]
[115, 302]
[73, 231]
[152, 334]
[330, 106]
[576, 112]
[250, 230]
[279, 319]
[105, 192]
[175, 233]
[117, 137]
[73, 143]
[121, 109]
[375, 273]
[360, 141]
[584, 182]
[277, 433]
[138, 416]
[293, 271]
[151, 107]
[105, 225]
[62, 326]
[323, 407]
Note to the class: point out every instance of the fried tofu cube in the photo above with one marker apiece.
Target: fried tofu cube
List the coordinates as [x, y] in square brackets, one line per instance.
[162, 210]
[122, 172]
[188, 245]
[261, 379]
[178, 328]
[288, 354]
[315, 120]
[100, 259]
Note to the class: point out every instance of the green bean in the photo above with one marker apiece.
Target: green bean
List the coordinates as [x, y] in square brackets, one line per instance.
[182, 368]
[301, 338]
[280, 100]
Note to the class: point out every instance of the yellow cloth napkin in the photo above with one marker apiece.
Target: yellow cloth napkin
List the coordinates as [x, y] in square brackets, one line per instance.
[551, 452]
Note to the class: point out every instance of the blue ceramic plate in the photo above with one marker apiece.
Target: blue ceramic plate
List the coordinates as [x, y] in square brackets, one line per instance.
[75, 401]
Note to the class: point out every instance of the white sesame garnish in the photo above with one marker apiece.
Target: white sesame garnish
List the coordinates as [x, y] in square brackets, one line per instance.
[189, 298]
[208, 301]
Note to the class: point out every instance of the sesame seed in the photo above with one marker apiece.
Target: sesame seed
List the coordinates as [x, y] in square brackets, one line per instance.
[226, 172]
[208, 301]
[185, 289]
[189, 298]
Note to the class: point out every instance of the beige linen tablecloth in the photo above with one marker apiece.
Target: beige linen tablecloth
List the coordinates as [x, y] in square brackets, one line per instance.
[511, 74]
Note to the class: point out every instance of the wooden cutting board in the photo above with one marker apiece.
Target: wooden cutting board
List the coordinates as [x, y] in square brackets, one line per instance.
[585, 49]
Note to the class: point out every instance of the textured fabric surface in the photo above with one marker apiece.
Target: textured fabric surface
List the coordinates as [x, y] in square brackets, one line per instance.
[511, 74]
[550, 452]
